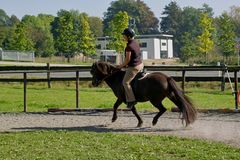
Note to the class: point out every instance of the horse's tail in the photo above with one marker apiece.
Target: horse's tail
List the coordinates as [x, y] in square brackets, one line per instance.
[183, 102]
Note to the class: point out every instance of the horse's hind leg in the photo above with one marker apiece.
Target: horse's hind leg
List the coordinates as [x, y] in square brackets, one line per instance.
[161, 108]
[140, 121]
[115, 107]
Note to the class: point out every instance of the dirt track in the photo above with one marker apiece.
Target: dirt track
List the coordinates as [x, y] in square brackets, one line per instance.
[211, 126]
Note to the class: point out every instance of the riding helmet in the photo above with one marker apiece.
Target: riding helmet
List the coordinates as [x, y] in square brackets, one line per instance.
[129, 32]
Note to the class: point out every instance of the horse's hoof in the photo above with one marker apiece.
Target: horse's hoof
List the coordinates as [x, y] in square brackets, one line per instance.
[154, 122]
[139, 125]
[114, 119]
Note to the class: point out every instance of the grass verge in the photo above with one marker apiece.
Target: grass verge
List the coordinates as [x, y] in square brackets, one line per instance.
[62, 95]
[98, 146]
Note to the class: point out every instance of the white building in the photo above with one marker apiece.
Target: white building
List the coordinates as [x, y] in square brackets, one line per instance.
[159, 46]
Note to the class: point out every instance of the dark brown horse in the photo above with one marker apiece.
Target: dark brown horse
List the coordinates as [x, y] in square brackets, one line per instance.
[154, 87]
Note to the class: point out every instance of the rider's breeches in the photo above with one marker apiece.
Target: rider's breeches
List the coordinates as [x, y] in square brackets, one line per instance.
[131, 72]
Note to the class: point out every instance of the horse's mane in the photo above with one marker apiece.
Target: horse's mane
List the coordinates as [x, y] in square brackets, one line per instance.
[106, 68]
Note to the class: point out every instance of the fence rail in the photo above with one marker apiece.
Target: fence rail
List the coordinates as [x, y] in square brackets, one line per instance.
[48, 69]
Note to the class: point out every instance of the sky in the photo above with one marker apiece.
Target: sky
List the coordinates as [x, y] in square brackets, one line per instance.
[97, 7]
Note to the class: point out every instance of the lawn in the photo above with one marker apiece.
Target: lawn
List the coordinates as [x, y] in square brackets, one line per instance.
[62, 95]
[98, 146]
[67, 144]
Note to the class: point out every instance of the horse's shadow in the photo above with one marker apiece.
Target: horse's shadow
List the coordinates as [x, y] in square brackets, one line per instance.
[99, 129]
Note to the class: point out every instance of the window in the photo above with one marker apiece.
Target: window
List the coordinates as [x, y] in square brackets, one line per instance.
[143, 45]
[99, 46]
[164, 44]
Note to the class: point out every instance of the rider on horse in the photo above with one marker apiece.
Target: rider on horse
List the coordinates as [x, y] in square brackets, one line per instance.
[133, 64]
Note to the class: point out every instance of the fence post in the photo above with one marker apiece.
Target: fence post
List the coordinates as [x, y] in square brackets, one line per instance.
[48, 75]
[236, 89]
[77, 90]
[223, 79]
[183, 79]
[25, 92]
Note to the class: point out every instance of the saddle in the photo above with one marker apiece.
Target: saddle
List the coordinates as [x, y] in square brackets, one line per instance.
[136, 78]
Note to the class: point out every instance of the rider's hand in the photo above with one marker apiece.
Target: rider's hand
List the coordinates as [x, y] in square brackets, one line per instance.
[119, 66]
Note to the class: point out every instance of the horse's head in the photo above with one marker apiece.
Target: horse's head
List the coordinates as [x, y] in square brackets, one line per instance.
[100, 71]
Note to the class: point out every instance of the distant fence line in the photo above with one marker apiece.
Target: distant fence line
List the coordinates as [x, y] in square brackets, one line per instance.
[48, 69]
[12, 55]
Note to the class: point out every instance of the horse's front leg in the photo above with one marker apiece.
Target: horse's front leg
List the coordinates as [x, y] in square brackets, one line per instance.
[115, 107]
[140, 121]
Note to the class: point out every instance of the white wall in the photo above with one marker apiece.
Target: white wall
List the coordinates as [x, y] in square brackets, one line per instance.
[170, 48]
[149, 48]
[152, 48]
[156, 48]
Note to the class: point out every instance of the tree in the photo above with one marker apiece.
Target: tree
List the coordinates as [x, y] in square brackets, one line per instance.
[96, 26]
[235, 17]
[72, 33]
[3, 35]
[20, 39]
[86, 42]
[5, 24]
[64, 37]
[38, 28]
[226, 35]
[8, 39]
[116, 27]
[207, 10]
[205, 39]
[170, 24]
[189, 48]
[143, 18]
[46, 44]
[14, 20]
[4, 19]
[148, 23]
[188, 24]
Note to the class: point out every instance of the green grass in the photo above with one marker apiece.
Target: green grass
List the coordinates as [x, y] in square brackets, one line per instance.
[98, 146]
[62, 95]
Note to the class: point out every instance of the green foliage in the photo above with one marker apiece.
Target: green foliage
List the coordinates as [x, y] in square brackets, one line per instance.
[72, 33]
[96, 26]
[3, 35]
[116, 27]
[226, 35]
[20, 40]
[145, 21]
[39, 31]
[9, 38]
[205, 42]
[171, 18]
[182, 24]
[14, 20]
[65, 38]
[235, 17]
[189, 48]
[86, 42]
[170, 24]
[4, 19]
[70, 143]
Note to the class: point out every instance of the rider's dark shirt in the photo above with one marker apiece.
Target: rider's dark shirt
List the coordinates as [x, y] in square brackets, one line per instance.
[134, 48]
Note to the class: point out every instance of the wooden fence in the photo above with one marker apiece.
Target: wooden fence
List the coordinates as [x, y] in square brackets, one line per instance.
[48, 69]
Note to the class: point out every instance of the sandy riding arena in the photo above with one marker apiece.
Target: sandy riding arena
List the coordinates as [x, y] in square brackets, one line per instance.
[211, 126]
